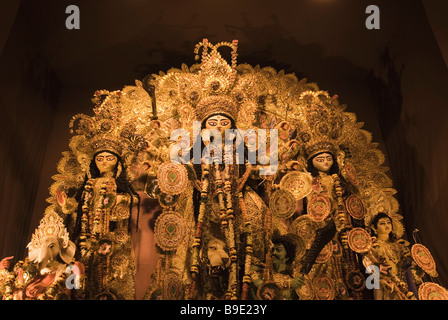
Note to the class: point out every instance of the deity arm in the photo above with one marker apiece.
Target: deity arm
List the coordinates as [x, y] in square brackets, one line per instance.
[68, 204]
[125, 199]
[5, 263]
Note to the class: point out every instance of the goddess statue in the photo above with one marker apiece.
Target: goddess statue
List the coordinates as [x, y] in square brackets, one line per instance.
[252, 185]
[392, 256]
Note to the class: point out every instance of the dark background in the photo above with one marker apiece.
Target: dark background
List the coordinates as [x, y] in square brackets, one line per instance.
[395, 79]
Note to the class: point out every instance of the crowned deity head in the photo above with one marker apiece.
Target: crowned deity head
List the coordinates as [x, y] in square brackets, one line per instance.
[322, 162]
[50, 242]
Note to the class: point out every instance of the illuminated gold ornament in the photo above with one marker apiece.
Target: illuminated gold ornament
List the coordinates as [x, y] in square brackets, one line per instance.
[321, 124]
[299, 183]
[168, 200]
[323, 288]
[172, 178]
[305, 228]
[432, 291]
[349, 173]
[269, 290]
[424, 259]
[319, 207]
[355, 207]
[169, 230]
[173, 288]
[355, 280]
[282, 203]
[359, 240]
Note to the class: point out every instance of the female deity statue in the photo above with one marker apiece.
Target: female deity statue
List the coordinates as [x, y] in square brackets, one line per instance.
[392, 256]
[102, 229]
[95, 194]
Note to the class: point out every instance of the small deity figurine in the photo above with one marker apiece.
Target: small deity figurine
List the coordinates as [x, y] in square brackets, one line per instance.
[393, 258]
[44, 275]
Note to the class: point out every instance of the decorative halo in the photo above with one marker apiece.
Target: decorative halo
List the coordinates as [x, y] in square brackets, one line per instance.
[432, 291]
[299, 183]
[326, 253]
[323, 288]
[424, 259]
[169, 230]
[305, 292]
[282, 203]
[359, 240]
[172, 178]
[355, 207]
[319, 207]
[172, 285]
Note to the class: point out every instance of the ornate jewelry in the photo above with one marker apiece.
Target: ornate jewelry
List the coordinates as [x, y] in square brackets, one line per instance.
[323, 288]
[319, 207]
[282, 203]
[349, 173]
[172, 285]
[269, 290]
[359, 240]
[169, 230]
[424, 259]
[172, 178]
[432, 291]
[298, 183]
[355, 207]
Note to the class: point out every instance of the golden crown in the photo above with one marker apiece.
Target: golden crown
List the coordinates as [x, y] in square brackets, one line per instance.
[321, 125]
[50, 225]
[116, 126]
[197, 92]
[216, 78]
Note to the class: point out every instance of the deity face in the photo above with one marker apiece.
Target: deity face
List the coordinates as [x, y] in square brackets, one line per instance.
[384, 226]
[323, 162]
[219, 122]
[279, 254]
[105, 161]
